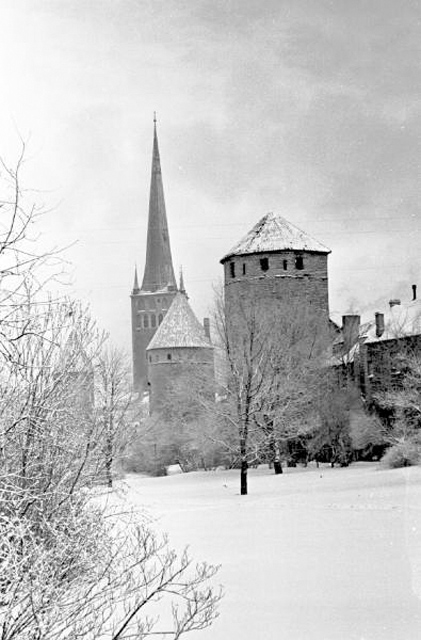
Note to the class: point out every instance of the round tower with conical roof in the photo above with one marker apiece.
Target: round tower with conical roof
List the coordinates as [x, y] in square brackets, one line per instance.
[276, 262]
[179, 355]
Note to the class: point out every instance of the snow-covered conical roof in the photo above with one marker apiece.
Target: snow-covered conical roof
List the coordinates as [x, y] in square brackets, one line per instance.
[179, 328]
[274, 233]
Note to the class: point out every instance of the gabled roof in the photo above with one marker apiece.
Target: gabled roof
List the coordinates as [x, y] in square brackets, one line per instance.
[179, 328]
[274, 233]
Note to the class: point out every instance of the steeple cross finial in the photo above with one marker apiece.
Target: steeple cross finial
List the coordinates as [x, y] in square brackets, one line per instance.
[154, 117]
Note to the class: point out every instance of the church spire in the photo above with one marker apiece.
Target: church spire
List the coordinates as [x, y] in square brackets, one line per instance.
[159, 271]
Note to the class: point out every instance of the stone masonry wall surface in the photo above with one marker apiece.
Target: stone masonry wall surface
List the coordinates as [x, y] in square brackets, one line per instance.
[164, 372]
[308, 285]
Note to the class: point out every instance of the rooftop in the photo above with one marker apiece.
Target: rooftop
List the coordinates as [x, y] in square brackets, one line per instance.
[400, 321]
[274, 233]
[179, 328]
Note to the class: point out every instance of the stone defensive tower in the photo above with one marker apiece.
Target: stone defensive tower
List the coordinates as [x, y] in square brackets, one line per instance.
[151, 301]
[179, 355]
[276, 263]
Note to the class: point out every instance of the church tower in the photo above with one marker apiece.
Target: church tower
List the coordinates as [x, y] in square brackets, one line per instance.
[152, 300]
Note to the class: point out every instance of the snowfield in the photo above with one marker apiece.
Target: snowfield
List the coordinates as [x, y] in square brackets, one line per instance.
[318, 554]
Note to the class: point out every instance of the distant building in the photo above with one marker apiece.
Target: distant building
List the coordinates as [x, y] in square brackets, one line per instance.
[367, 351]
[151, 301]
[179, 355]
[169, 343]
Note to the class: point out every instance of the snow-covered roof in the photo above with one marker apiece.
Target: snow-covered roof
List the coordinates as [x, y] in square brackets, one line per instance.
[274, 233]
[400, 321]
[179, 328]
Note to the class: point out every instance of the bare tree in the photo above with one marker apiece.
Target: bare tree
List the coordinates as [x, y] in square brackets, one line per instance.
[113, 404]
[272, 359]
[68, 569]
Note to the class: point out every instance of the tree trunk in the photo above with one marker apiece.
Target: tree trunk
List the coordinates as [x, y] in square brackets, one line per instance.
[109, 460]
[244, 466]
[277, 465]
[243, 477]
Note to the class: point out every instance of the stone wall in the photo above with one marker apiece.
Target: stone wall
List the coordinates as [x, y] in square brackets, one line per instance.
[266, 279]
[173, 369]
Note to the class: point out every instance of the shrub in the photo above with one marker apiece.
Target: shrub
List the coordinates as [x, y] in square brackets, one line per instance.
[403, 454]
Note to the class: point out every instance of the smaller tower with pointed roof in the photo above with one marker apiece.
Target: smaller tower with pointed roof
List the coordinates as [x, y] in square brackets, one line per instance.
[180, 353]
[276, 263]
[151, 301]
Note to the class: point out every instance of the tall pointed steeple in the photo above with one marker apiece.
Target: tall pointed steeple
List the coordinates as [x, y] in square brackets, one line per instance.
[159, 271]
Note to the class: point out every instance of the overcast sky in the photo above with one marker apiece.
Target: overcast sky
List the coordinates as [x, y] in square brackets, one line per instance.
[310, 108]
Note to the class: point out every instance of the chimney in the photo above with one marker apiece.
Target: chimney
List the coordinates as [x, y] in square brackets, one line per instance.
[350, 331]
[379, 324]
[206, 326]
[394, 302]
[414, 292]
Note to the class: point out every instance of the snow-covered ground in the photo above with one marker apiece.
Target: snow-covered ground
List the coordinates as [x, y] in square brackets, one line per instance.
[318, 554]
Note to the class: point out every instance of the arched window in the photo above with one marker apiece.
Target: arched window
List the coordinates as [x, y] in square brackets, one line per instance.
[169, 357]
[160, 318]
[232, 269]
[140, 304]
[244, 268]
[145, 321]
[285, 265]
[299, 262]
[153, 320]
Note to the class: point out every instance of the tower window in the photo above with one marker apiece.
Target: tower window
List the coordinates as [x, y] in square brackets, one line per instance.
[299, 262]
[145, 321]
[244, 268]
[140, 304]
[160, 318]
[153, 320]
[168, 356]
[232, 269]
[285, 264]
[264, 264]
